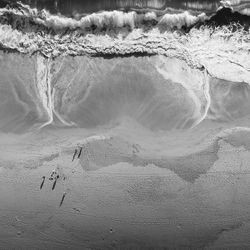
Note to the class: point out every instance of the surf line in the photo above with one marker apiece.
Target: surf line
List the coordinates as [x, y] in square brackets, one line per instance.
[47, 92]
[44, 85]
[206, 92]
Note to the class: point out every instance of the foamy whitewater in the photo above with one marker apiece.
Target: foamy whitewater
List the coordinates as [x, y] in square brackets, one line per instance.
[164, 67]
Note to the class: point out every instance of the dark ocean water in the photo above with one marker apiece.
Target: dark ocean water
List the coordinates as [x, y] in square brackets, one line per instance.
[69, 7]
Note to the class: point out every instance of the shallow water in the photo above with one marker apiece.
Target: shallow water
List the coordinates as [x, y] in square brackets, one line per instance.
[157, 92]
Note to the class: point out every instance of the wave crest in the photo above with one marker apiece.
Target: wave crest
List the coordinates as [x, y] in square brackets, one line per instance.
[102, 20]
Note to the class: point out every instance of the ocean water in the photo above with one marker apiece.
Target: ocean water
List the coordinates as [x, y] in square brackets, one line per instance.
[167, 65]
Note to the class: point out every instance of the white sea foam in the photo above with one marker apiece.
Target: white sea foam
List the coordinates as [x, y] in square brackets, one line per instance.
[43, 87]
[195, 82]
[104, 19]
[117, 19]
[183, 19]
[224, 55]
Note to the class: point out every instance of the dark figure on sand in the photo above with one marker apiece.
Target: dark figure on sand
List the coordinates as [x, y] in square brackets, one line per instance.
[54, 184]
[41, 186]
[74, 155]
[80, 153]
[64, 194]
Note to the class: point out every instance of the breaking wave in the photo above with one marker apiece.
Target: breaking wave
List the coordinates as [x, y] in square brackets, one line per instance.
[28, 30]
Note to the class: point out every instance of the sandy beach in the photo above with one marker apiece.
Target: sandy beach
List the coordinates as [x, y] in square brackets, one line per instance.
[123, 192]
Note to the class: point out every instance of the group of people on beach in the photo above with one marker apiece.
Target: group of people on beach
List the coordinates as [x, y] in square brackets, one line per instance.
[55, 176]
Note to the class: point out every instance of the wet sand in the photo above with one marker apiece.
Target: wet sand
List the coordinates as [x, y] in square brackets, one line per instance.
[125, 193]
